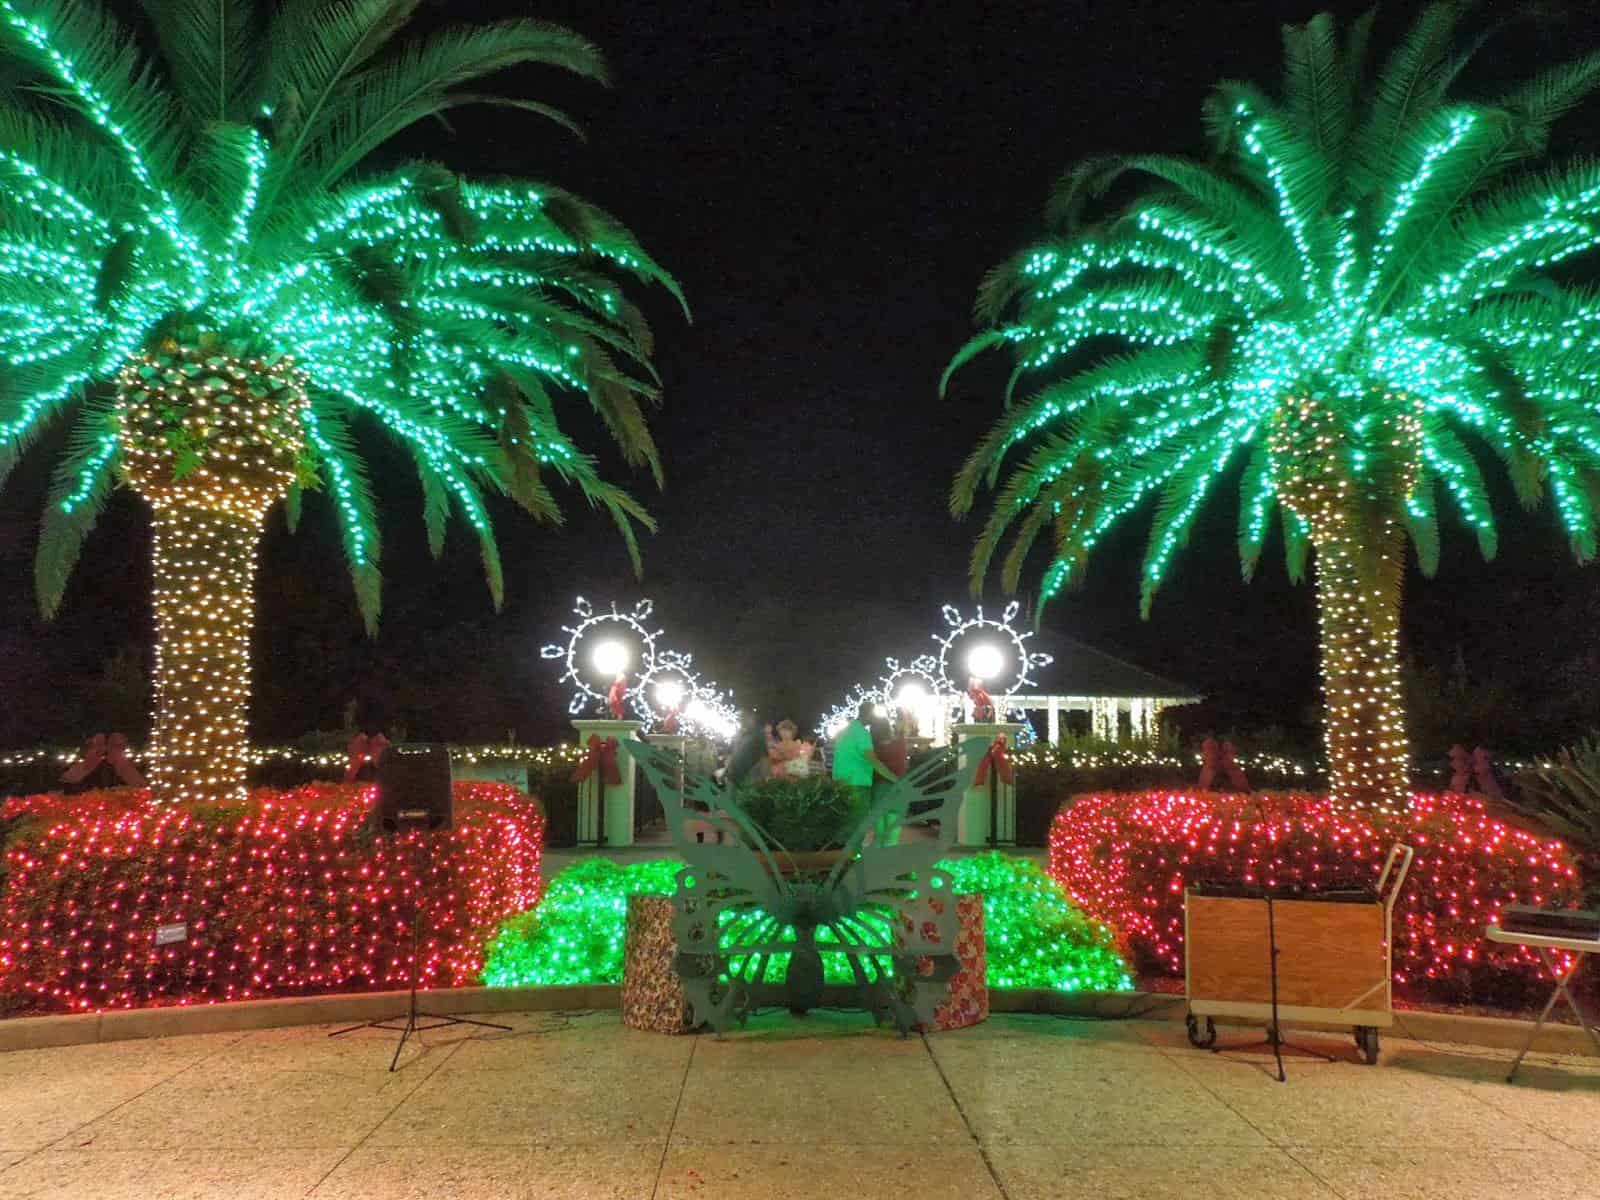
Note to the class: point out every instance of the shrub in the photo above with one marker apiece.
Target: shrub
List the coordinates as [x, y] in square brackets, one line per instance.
[1564, 796]
[813, 813]
[1126, 859]
[1046, 773]
[291, 892]
[576, 934]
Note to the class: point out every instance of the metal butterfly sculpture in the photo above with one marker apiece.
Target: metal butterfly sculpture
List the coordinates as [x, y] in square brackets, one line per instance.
[886, 909]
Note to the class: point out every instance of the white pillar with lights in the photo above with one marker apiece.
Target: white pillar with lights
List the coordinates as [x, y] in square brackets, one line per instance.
[605, 801]
[607, 777]
[988, 815]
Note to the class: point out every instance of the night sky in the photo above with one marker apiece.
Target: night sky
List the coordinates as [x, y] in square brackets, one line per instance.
[828, 181]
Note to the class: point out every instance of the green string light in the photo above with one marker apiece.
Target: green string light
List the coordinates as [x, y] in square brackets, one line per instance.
[1035, 936]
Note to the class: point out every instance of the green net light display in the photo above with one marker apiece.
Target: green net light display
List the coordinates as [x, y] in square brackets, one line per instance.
[197, 274]
[1345, 306]
[1034, 934]
[575, 935]
[1035, 937]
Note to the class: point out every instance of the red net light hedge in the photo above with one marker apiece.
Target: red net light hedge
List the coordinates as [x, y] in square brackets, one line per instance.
[1126, 859]
[292, 892]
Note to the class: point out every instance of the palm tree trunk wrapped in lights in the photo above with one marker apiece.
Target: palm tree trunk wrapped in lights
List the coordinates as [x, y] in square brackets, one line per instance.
[1334, 481]
[211, 438]
[1347, 303]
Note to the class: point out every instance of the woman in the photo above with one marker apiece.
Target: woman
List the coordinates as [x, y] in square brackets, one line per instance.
[789, 756]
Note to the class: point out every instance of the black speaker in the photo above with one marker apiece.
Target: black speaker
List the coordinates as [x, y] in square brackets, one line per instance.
[415, 788]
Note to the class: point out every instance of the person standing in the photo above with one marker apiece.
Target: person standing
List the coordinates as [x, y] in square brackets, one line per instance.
[856, 764]
[790, 757]
[749, 752]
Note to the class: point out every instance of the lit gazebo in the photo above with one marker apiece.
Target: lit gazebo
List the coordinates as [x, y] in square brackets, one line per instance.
[1112, 696]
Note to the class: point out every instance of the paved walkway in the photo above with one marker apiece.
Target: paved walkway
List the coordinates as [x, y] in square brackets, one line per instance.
[580, 1107]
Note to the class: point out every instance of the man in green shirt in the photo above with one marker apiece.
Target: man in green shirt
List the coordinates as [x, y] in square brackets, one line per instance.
[856, 764]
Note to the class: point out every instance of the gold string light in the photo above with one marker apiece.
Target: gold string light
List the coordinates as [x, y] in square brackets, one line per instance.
[211, 437]
[1360, 563]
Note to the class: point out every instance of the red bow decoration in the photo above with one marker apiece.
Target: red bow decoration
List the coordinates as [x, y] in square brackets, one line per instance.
[997, 759]
[363, 750]
[602, 756]
[111, 751]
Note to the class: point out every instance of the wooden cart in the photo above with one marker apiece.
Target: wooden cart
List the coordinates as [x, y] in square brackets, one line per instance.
[1332, 959]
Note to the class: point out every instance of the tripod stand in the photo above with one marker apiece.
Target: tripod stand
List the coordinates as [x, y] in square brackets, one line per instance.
[407, 1023]
[1275, 1037]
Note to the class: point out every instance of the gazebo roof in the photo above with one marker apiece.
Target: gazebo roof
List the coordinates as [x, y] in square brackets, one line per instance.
[1081, 670]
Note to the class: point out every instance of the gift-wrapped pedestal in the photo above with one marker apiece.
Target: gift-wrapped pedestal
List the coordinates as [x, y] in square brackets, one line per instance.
[653, 999]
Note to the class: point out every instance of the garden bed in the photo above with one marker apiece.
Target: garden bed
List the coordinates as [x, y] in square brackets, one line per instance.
[291, 893]
[1127, 858]
[1035, 937]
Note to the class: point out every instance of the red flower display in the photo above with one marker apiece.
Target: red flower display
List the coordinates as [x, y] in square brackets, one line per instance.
[290, 893]
[1126, 859]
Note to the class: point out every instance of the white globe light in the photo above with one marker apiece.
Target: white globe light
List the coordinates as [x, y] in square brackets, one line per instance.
[610, 658]
[669, 693]
[912, 695]
[986, 661]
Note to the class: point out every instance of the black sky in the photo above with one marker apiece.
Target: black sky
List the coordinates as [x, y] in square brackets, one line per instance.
[829, 182]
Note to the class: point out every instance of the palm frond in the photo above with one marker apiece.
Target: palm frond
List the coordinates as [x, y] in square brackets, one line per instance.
[82, 483]
[97, 69]
[313, 46]
[1316, 91]
[1405, 92]
[328, 430]
[374, 104]
[210, 50]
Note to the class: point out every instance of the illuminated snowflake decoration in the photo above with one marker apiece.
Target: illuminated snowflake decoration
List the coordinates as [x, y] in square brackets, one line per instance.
[712, 714]
[668, 669]
[922, 671]
[591, 628]
[840, 715]
[965, 634]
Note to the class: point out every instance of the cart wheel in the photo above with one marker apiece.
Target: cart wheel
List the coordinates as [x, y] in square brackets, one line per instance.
[1192, 1023]
[1367, 1040]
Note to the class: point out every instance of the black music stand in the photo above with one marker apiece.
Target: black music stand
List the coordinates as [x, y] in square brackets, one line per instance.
[1274, 1037]
[407, 1023]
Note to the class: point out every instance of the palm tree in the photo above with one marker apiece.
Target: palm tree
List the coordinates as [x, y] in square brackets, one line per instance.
[197, 272]
[1352, 296]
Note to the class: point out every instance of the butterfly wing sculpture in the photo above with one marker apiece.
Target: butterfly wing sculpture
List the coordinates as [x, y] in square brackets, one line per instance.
[739, 922]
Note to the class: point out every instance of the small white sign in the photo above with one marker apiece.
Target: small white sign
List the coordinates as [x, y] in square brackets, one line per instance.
[166, 935]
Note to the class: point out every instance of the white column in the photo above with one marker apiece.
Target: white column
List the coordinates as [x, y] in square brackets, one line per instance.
[1053, 720]
[615, 800]
[994, 802]
[1103, 717]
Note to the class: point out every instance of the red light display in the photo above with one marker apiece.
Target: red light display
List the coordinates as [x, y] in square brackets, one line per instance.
[289, 893]
[1126, 859]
